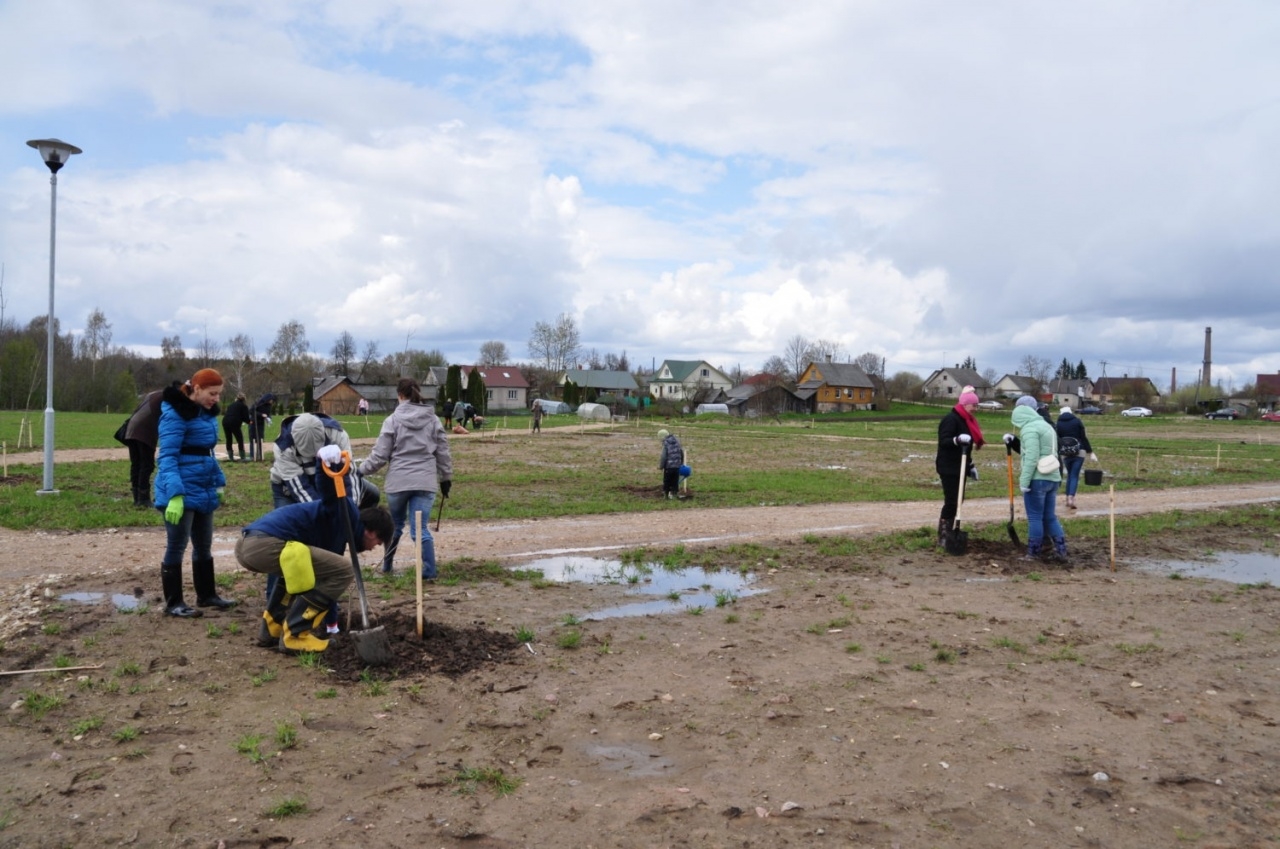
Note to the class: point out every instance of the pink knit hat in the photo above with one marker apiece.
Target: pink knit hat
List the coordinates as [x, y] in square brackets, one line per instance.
[968, 398]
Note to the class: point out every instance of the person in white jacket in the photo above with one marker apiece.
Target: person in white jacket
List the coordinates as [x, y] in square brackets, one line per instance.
[414, 447]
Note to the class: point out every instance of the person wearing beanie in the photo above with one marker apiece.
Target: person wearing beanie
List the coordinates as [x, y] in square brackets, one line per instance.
[958, 435]
[1073, 445]
[1039, 488]
[189, 487]
[670, 461]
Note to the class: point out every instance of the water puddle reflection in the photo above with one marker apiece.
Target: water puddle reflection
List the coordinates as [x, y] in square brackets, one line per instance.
[1233, 566]
[120, 601]
[658, 589]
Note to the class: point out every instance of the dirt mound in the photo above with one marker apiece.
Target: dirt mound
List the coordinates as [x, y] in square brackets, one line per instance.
[441, 650]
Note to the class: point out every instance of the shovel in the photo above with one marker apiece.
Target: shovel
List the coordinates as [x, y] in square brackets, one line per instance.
[957, 541]
[1013, 532]
[372, 644]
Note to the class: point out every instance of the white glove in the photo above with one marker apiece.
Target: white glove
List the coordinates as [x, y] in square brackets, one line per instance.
[1008, 438]
[1025, 490]
[1093, 457]
[330, 455]
[963, 439]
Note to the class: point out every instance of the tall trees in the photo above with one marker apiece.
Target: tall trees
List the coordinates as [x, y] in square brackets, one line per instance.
[173, 355]
[795, 353]
[241, 352]
[555, 346]
[289, 354]
[343, 352]
[208, 351]
[96, 341]
[493, 353]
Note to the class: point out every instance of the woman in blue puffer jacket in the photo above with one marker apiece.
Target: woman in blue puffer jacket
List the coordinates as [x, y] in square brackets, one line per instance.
[189, 488]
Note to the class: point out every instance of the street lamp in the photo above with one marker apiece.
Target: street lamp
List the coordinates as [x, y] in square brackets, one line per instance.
[55, 154]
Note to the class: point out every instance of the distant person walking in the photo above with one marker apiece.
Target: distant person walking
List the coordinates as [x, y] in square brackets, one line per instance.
[537, 417]
[958, 435]
[669, 461]
[1073, 445]
[233, 422]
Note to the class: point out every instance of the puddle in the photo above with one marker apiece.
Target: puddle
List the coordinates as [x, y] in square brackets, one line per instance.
[676, 590]
[1235, 567]
[120, 601]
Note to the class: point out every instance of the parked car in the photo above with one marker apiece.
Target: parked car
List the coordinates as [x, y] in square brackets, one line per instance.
[990, 405]
[1271, 417]
[1224, 413]
[1089, 411]
[1140, 412]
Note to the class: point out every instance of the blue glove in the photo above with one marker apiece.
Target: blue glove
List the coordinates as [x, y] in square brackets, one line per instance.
[173, 512]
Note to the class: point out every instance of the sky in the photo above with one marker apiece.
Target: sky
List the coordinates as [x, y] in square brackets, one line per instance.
[925, 181]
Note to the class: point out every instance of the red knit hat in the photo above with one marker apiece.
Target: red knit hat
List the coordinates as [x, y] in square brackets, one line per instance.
[206, 377]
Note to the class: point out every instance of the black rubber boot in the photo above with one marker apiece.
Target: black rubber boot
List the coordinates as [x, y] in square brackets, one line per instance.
[304, 623]
[207, 587]
[942, 533]
[272, 628]
[171, 582]
[141, 498]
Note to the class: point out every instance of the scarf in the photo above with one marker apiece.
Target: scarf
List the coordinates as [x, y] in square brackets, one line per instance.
[972, 424]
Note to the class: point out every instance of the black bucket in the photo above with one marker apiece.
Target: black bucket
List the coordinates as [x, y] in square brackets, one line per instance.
[1093, 477]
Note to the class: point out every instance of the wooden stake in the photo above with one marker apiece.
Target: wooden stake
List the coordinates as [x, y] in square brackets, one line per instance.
[1218, 463]
[49, 669]
[1137, 462]
[417, 535]
[1113, 527]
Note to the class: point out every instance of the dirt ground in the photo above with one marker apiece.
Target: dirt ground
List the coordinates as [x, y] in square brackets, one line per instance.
[837, 699]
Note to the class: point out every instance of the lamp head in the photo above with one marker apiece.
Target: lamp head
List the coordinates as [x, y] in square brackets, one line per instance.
[54, 152]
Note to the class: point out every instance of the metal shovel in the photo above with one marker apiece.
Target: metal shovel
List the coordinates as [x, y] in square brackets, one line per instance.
[957, 541]
[372, 644]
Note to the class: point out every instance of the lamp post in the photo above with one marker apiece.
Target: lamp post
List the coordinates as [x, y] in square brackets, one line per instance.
[55, 154]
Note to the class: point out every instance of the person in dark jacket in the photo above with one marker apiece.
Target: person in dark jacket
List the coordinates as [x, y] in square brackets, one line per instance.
[189, 488]
[447, 413]
[958, 434]
[1073, 445]
[670, 461]
[140, 437]
[302, 545]
[233, 422]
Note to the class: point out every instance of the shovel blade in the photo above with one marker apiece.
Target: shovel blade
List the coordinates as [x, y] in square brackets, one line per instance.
[373, 646]
[956, 541]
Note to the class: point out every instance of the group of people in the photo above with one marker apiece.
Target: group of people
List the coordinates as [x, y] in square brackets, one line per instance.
[300, 544]
[1045, 451]
[462, 412]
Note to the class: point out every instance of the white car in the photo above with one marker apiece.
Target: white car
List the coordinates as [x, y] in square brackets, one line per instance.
[1141, 412]
[990, 405]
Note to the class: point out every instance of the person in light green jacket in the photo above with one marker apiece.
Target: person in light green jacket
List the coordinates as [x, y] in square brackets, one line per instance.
[1039, 489]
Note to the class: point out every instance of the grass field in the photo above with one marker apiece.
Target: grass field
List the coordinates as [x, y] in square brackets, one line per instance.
[507, 472]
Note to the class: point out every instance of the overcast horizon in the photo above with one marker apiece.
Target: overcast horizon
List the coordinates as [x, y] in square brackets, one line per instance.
[924, 181]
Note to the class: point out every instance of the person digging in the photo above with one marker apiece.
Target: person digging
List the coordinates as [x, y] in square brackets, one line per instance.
[304, 544]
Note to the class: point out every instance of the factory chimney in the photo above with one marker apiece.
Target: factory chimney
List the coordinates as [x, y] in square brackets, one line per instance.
[1205, 378]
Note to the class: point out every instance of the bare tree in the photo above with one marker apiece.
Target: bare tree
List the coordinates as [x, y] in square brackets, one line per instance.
[343, 352]
[555, 346]
[777, 367]
[368, 360]
[494, 353]
[825, 351]
[871, 364]
[96, 342]
[1037, 368]
[172, 353]
[241, 351]
[209, 351]
[796, 356]
[289, 353]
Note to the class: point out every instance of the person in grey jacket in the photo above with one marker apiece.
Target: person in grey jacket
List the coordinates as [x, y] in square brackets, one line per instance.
[414, 444]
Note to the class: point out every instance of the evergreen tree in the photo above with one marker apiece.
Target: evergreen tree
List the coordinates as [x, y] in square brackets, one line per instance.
[477, 396]
[1065, 371]
[453, 384]
[309, 399]
[1082, 373]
